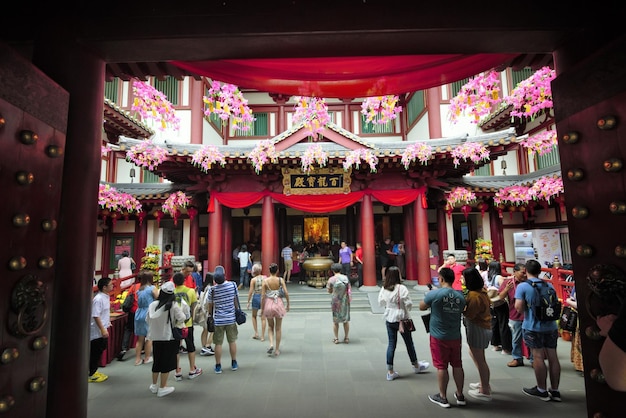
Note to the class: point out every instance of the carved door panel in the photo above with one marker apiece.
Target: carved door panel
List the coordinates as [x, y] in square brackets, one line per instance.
[33, 119]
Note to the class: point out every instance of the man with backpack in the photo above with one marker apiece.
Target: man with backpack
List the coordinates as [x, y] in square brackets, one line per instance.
[537, 300]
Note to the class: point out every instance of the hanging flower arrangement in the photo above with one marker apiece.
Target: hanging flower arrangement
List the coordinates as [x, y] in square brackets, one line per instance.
[146, 155]
[460, 196]
[174, 203]
[473, 151]
[541, 143]
[150, 261]
[313, 112]
[206, 156]
[476, 97]
[513, 195]
[533, 94]
[355, 157]
[418, 151]
[313, 154]
[484, 249]
[109, 198]
[380, 109]
[262, 154]
[227, 102]
[153, 104]
[546, 188]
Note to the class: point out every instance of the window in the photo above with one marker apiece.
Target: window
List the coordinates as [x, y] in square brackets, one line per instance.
[456, 86]
[415, 106]
[111, 90]
[169, 87]
[518, 76]
[149, 177]
[548, 160]
[377, 128]
[260, 126]
[483, 171]
[335, 233]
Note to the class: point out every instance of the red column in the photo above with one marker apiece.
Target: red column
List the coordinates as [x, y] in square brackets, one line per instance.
[215, 236]
[197, 110]
[421, 238]
[433, 99]
[194, 237]
[442, 233]
[369, 244]
[227, 245]
[268, 234]
[410, 248]
[142, 241]
[497, 237]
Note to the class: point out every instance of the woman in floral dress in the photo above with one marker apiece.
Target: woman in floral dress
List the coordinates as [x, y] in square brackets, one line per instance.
[339, 286]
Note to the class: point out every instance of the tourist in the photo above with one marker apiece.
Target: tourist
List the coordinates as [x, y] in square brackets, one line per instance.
[125, 270]
[287, 255]
[129, 327]
[501, 338]
[187, 296]
[345, 259]
[197, 277]
[273, 307]
[99, 328]
[446, 306]
[222, 304]
[145, 295]
[396, 300]
[456, 268]
[386, 255]
[399, 251]
[187, 270]
[206, 337]
[254, 296]
[302, 256]
[358, 260]
[477, 321]
[339, 286]
[576, 354]
[245, 258]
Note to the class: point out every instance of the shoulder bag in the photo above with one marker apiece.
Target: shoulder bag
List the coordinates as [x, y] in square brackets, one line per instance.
[569, 319]
[406, 324]
[210, 320]
[177, 333]
[127, 306]
[199, 314]
[240, 316]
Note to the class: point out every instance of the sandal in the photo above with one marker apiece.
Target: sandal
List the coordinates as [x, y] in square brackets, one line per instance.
[346, 340]
[335, 341]
[256, 337]
[270, 350]
[139, 363]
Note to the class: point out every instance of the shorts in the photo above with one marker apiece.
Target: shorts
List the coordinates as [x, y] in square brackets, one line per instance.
[477, 337]
[445, 352]
[165, 356]
[256, 301]
[189, 344]
[288, 265]
[230, 330]
[534, 339]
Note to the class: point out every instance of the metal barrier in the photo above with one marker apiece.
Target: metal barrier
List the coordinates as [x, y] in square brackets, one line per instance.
[561, 279]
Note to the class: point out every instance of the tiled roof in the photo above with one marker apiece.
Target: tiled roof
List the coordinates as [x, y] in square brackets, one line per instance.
[491, 184]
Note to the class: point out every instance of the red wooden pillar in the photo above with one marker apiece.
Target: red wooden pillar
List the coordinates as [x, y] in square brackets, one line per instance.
[421, 238]
[215, 236]
[369, 244]
[194, 237]
[141, 241]
[410, 248]
[227, 245]
[268, 235]
[442, 232]
[497, 237]
[197, 110]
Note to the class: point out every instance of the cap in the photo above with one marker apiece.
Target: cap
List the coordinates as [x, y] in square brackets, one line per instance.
[168, 287]
[219, 275]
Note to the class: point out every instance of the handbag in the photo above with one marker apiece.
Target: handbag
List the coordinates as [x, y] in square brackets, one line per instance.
[129, 301]
[210, 321]
[426, 320]
[133, 265]
[569, 319]
[406, 324]
[240, 316]
[177, 333]
[249, 268]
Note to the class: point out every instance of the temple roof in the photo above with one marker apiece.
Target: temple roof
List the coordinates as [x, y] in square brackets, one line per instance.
[118, 122]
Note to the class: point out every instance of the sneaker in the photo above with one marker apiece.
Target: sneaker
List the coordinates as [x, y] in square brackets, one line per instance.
[544, 396]
[154, 388]
[474, 385]
[234, 366]
[161, 392]
[148, 360]
[392, 376]
[515, 363]
[460, 399]
[218, 369]
[555, 395]
[442, 402]
[182, 350]
[421, 367]
[207, 351]
[477, 394]
[120, 356]
[97, 378]
[179, 375]
[195, 373]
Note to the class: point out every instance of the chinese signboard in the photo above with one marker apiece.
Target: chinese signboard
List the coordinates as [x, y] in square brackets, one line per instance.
[318, 181]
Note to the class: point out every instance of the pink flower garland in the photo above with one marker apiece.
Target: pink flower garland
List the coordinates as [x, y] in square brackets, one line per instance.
[547, 187]
[314, 153]
[418, 151]
[206, 156]
[153, 104]
[460, 196]
[477, 97]
[541, 143]
[227, 101]
[361, 154]
[313, 112]
[263, 153]
[146, 155]
[533, 94]
[175, 202]
[514, 195]
[109, 198]
[381, 109]
[470, 150]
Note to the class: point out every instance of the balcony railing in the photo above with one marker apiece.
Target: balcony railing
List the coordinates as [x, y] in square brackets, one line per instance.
[561, 279]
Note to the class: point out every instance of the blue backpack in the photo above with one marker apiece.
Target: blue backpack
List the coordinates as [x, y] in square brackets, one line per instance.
[547, 306]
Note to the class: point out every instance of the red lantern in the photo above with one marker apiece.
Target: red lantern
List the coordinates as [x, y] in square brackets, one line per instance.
[141, 215]
[500, 208]
[561, 203]
[175, 215]
[192, 212]
[511, 210]
[114, 217]
[105, 213]
[531, 207]
[126, 216]
[158, 215]
[524, 212]
[545, 204]
[466, 209]
[482, 206]
[449, 210]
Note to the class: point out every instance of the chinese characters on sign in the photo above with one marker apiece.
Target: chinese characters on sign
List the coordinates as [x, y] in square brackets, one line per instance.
[319, 181]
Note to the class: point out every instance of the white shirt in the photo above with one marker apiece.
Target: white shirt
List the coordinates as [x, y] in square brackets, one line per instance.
[389, 300]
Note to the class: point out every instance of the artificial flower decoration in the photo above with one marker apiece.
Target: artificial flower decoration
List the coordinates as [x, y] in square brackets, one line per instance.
[313, 154]
[514, 195]
[227, 102]
[533, 94]
[546, 188]
[418, 151]
[483, 249]
[476, 97]
[381, 109]
[313, 112]
[146, 155]
[355, 157]
[460, 196]
[174, 203]
[541, 143]
[104, 151]
[470, 151]
[206, 156]
[150, 261]
[153, 104]
[263, 153]
[113, 200]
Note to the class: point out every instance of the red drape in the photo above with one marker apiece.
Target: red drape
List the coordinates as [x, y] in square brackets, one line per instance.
[346, 77]
[318, 203]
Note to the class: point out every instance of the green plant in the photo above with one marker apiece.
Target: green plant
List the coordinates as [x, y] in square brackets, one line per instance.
[150, 261]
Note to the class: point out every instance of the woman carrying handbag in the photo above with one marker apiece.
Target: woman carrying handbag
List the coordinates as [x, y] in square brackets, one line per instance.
[396, 300]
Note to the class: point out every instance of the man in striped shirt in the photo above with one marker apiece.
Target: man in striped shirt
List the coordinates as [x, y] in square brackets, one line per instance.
[287, 254]
[224, 296]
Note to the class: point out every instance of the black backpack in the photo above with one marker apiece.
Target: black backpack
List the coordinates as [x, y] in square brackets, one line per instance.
[547, 306]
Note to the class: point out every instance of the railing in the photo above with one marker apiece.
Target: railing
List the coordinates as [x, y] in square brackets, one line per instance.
[561, 279]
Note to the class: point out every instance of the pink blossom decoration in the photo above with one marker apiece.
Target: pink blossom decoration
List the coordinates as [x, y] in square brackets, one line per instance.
[474, 151]
[175, 202]
[541, 143]
[146, 155]
[514, 195]
[153, 104]
[104, 151]
[313, 112]
[113, 200]
[380, 109]
[313, 154]
[459, 196]
[417, 151]
[533, 94]
[206, 156]
[545, 188]
[227, 102]
[263, 153]
[361, 154]
[476, 97]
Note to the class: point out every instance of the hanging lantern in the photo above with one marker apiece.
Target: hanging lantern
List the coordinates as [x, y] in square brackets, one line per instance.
[531, 207]
[524, 211]
[544, 204]
[192, 212]
[105, 213]
[126, 215]
[141, 215]
[500, 208]
[466, 209]
[175, 216]
[511, 210]
[482, 206]
[561, 202]
[158, 215]
[114, 217]
[449, 210]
